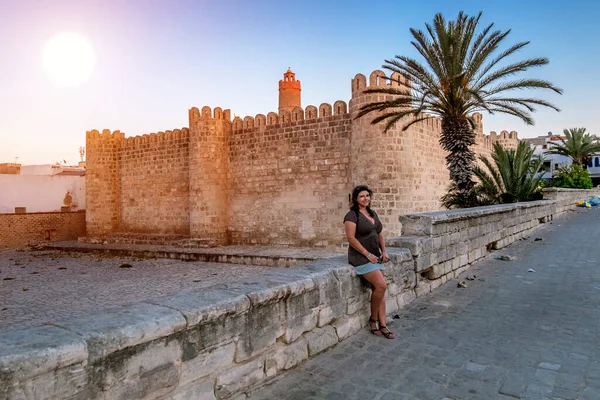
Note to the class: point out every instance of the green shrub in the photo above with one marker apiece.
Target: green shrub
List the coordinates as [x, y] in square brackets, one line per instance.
[572, 176]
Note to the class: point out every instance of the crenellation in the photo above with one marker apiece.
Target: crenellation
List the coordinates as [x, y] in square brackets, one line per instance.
[105, 135]
[311, 112]
[93, 134]
[260, 120]
[340, 107]
[248, 122]
[297, 114]
[194, 115]
[359, 83]
[227, 115]
[206, 112]
[218, 113]
[284, 116]
[272, 118]
[325, 110]
[238, 124]
[377, 79]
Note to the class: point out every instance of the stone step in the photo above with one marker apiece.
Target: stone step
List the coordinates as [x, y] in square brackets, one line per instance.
[269, 256]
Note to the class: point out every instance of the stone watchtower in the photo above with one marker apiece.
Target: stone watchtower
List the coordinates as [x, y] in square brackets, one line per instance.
[289, 92]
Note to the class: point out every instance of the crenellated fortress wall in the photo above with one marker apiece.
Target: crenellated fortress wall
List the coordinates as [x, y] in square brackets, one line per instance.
[281, 178]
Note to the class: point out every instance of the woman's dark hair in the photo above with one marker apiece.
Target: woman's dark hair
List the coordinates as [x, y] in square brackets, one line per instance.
[354, 205]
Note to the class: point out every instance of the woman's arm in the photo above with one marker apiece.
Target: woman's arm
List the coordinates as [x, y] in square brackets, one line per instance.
[350, 228]
[382, 247]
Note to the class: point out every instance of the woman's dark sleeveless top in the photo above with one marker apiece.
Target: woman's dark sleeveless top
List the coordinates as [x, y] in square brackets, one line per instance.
[367, 234]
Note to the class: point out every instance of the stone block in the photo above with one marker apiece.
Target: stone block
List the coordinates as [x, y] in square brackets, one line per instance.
[239, 378]
[264, 326]
[199, 306]
[392, 288]
[436, 283]
[471, 257]
[117, 328]
[405, 298]
[301, 314]
[270, 367]
[215, 332]
[69, 382]
[286, 356]
[329, 313]
[330, 285]
[423, 262]
[346, 326]
[423, 287]
[196, 365]
[35, 351]
[357, 303]
[391, 305]
[320, 339]
[437, 271]
[152, 370]
[202, 389]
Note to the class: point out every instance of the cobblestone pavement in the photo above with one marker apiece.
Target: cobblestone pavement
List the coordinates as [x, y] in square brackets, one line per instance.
[40, 286]
[511, 334]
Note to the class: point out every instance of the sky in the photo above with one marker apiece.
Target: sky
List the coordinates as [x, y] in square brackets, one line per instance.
[156, 59]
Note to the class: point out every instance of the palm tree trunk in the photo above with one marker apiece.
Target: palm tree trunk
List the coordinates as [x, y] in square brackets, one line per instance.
[456, 138]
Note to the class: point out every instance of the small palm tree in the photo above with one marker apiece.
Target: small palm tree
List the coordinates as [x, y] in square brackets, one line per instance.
[513, 176]
[463, 72]
[579, 146]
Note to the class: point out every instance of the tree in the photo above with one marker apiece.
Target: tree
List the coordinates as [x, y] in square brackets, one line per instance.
[513, 176]
[572, 176]
[463, 72]
[579, 146]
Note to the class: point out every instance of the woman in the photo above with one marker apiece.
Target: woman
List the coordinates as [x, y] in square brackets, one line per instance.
[367, 254]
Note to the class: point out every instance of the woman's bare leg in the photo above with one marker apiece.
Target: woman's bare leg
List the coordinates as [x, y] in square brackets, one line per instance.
[375, 278]
[381, 315]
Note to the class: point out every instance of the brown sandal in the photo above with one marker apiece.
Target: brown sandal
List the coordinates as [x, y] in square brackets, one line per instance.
[375, 331]
[389, 334]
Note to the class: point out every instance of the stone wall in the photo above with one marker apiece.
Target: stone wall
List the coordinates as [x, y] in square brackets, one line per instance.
[103, 193]
[289, 182]
[18, 230]
[566, 198]
[445, 243]
[282, 178]
[154, 183]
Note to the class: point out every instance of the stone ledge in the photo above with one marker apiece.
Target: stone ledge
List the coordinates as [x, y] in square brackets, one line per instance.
[163, 347]
[423, 224]
[35, 351]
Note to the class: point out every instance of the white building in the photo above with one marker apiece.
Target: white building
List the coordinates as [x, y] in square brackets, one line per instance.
[43, 188]
[541, 145]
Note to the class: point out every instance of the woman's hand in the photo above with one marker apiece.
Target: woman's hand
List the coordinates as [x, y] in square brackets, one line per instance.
[372, 258]
[385, 257]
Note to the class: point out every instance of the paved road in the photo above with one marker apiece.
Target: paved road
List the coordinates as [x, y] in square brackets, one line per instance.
[511, 334]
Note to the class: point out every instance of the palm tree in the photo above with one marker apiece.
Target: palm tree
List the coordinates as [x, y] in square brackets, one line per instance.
[579, 145]
[464, 72]
[513, 176]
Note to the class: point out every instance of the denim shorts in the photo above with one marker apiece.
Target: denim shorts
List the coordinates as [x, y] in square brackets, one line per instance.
[370, 267]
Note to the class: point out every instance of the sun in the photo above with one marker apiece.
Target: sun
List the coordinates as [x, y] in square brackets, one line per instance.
[68, 59]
